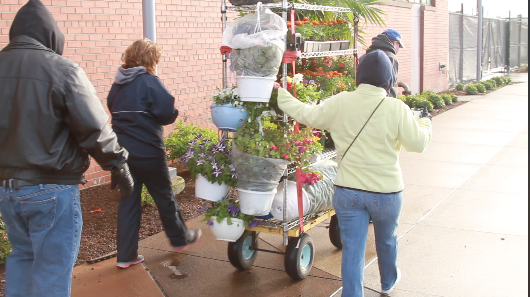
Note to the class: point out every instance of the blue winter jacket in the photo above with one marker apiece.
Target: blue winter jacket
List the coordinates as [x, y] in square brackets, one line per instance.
[140, 105]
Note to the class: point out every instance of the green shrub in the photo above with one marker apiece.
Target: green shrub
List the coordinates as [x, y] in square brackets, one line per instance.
[471, 89]
[177, 142]
[434, 98]
[460, 87]
[480, 88]
[493, 83]
[422, 102]
[454, 98]
[5, 246]
[411, 100]
[499, 81]
[148, 199]
[447, 99]
[488, 84]
[507, 80]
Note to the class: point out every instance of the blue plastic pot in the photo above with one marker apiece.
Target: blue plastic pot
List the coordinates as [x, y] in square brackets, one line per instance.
[228, 117]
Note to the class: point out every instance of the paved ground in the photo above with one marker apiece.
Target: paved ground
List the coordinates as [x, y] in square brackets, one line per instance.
[463, 232]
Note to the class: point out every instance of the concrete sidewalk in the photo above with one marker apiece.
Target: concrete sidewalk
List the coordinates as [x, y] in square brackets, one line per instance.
[463, 229]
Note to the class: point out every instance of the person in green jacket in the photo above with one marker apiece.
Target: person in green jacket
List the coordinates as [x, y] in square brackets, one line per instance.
[369, 181]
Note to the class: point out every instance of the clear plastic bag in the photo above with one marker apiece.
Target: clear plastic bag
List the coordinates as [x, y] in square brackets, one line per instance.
[255, 173]
[320, 195]
[277, 208]
[258, 43]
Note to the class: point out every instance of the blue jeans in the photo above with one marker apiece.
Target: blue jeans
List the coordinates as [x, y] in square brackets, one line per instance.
[44, 227]
[354, 209]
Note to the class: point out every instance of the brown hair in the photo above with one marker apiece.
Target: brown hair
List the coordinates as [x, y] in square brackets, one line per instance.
[142, 52]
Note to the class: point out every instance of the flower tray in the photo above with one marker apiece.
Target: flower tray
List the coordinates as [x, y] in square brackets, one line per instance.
[325, 46]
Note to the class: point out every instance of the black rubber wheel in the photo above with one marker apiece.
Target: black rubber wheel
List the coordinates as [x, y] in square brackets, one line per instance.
[241, 253]
[299, 260]
[334, 232]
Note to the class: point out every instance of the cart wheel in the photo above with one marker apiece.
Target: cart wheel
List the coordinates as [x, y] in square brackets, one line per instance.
[334, 232]
[299, 260]
[241, 253]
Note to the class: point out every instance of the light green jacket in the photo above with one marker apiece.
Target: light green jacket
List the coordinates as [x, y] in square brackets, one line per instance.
[372, 162]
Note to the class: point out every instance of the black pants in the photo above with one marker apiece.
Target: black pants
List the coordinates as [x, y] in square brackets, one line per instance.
[154, 174]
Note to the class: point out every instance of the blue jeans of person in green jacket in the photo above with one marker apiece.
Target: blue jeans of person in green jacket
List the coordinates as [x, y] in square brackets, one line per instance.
[44, 224]
[354, 208]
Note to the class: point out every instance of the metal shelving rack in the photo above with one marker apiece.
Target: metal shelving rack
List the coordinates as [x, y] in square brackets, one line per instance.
[298, 258]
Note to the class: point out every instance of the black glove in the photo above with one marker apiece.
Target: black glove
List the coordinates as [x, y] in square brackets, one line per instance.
[122, 178]
[425, 114]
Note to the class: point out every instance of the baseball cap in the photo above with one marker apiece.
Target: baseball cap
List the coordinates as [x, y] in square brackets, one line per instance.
[394, 35]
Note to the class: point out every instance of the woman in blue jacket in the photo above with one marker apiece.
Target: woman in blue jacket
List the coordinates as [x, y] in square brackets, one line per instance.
[140, 106]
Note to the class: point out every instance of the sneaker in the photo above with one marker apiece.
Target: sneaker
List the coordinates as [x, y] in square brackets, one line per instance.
[194, 236]
[388, 291]
[138, 260]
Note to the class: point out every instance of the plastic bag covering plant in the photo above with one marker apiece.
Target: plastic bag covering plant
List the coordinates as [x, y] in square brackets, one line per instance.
[211, 160]
[177, 141]
[226, 208]
[258, 43]
[260, 61]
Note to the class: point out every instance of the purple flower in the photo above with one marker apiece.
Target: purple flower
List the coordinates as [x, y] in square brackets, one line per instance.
[192, 143]
[199, 162]
[254, 223]
[198, 136]
[301, 149]
[209, 223]
[233, 210]
[312, 82]
[305, 81]
[216, 173]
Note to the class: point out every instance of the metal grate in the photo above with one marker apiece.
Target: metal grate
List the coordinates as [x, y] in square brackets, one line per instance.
[326, 154]
[291, 6]
[327, 54]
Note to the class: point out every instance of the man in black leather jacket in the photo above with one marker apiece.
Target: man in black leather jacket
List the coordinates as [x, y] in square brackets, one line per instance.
[51, 120]
[389, 42]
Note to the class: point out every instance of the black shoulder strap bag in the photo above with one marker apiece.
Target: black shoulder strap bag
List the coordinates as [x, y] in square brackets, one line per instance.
[362, 128]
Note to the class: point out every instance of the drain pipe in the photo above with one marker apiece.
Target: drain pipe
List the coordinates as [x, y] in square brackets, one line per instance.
[479, 40]
[149, 19]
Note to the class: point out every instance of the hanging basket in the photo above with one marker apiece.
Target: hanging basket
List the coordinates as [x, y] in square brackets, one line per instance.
[255, 203]
[225, 232]
[208, 190]
[255, 89]
[227, 117]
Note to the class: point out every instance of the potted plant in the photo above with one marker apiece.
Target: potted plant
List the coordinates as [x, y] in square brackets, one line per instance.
[228, 112]
[210, 163]
[225, 219]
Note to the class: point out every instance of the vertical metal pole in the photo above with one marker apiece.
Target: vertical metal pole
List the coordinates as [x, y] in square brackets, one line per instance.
[479, 41]
[149, 18]
[520, 21]
[508, 42]
[284, 79]
[461, 74]
[225, 58]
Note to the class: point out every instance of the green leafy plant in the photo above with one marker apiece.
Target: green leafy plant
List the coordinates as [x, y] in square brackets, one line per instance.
[454, 97]
[211, 160]
[259, 61]
[488, 85]
[460, 87]
[177, 141]
[5, 245]
[434, 98]
[316, 30]
[480, 88]
[228, 95]
[226, 208]
[471, 89]
[422, 102]
[447, 99]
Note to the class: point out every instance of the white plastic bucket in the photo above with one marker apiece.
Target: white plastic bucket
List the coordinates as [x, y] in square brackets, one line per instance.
[255, 89]
[209, 191]
[255, 203]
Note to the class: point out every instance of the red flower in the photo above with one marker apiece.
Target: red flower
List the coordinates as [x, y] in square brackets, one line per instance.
[341, 64]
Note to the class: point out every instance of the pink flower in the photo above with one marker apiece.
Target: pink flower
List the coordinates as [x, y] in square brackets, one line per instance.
[301, 149]
[273, 147]
[285, 156]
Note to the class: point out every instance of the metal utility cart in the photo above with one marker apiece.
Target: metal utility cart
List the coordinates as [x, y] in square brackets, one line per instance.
[300, 249]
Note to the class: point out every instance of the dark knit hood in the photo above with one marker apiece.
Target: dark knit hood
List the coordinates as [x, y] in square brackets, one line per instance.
[383, 43]
[376, 69]
[36, 21]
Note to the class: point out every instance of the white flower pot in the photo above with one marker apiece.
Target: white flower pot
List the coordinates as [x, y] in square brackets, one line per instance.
[209, 191]
[255, 89]
[255, 203]
[223, 231]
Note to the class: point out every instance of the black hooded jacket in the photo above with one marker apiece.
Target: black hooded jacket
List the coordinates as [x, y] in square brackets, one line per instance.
[382, 42]
[51, 118]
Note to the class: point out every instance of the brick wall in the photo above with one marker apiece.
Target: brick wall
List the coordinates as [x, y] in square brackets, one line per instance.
[97, 33]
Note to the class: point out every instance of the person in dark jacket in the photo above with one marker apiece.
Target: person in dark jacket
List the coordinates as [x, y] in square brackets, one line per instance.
[140, 106]
[51, 120]
[389, 42]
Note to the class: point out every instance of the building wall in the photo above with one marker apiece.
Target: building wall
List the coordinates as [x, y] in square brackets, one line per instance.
[97, 33]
